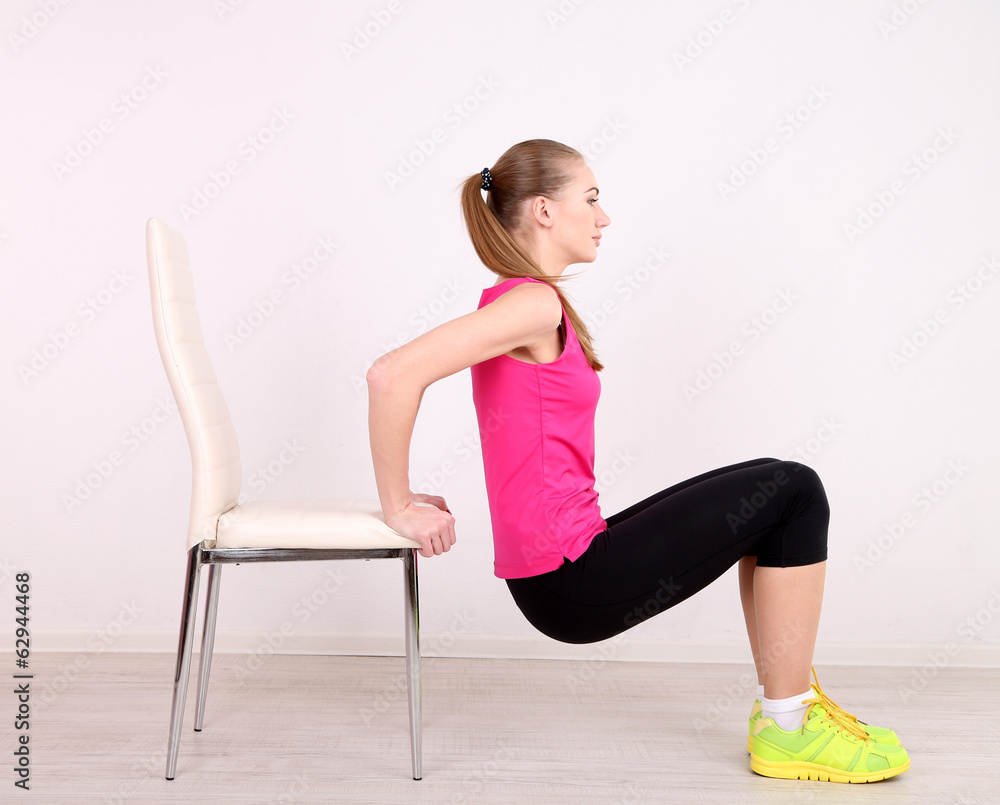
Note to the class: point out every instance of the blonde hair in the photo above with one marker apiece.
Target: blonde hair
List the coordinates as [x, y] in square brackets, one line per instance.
[526, 170]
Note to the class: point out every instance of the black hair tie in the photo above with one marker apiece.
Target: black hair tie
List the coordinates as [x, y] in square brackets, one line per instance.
[487, 179]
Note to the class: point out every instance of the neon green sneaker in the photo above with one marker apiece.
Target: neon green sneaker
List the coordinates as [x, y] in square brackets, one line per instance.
[828, 747]
[754, 715]
[880, 735]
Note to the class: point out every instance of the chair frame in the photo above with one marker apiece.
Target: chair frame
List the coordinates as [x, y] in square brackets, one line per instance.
[214, 558]
[216, 472]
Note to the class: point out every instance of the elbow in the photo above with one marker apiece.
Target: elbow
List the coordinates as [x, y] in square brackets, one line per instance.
[375, 378]
[379, 375]
[391, 377]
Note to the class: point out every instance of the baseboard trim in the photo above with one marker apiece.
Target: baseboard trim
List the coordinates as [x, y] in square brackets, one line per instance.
[622, 648]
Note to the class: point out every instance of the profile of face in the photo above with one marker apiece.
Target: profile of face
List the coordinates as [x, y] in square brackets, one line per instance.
[573, 222]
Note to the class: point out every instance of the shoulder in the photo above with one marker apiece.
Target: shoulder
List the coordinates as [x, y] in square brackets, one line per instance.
[537, 301]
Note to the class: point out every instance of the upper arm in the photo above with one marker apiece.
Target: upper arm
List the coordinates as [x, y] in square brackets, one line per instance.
[517, 318]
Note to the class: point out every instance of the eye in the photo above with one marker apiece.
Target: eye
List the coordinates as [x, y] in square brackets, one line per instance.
[592, 201]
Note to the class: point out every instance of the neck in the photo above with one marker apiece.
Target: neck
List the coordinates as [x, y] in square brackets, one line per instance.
[544, 257]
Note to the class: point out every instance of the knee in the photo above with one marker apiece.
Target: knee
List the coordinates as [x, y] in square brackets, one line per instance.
[806, 482]
[802, 474]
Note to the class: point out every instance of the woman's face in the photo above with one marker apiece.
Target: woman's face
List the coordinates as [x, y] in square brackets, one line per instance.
[577, 218]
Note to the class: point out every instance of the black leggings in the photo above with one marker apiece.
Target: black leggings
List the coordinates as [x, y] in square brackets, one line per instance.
[668, 547]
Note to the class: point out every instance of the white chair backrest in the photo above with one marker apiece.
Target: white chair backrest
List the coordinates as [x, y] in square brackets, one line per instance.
[216, 473]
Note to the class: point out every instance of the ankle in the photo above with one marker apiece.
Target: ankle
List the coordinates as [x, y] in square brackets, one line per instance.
[787, 713]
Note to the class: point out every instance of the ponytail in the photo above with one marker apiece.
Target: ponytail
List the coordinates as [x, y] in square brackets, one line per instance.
[528, 169]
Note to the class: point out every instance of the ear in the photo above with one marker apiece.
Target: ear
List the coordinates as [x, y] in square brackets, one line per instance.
[541, 211]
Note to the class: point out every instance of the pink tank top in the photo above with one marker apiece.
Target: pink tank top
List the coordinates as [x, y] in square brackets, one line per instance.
[536, 423]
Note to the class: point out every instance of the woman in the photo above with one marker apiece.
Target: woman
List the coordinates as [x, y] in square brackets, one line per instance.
[576, 576]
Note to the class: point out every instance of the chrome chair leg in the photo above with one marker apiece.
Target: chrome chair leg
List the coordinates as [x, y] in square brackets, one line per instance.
[207, 642]
[185, 643]
[412, 615]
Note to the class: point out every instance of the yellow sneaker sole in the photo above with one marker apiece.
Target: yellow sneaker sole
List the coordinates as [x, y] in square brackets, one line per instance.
[800, 770]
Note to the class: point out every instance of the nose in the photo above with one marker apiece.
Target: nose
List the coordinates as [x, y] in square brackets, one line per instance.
[602, 220]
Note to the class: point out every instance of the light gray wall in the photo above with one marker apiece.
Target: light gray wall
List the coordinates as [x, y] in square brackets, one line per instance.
[797, 193]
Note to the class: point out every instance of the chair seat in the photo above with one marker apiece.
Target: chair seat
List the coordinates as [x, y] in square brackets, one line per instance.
[349, 524]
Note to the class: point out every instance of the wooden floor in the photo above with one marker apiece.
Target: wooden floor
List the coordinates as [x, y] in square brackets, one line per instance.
[334, 730]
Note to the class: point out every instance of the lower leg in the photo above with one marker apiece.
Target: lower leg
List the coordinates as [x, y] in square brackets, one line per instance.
[790, 739]
[787, 602]
[746, 572]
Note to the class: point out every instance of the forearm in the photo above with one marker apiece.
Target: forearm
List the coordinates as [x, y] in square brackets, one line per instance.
[392, 411]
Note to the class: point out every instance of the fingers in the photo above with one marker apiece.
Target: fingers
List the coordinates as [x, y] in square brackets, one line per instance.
[448, 535]
[432, 527]
[440, 537]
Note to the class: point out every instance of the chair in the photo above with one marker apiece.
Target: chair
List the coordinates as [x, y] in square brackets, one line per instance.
[222, 531]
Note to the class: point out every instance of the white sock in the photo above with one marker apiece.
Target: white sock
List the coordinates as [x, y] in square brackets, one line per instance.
[786, 713]
[760, 692]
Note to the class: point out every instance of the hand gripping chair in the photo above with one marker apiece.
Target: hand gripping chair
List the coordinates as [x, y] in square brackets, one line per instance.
[222, 531]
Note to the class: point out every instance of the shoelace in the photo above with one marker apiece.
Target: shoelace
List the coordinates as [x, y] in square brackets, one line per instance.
[837, 713]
